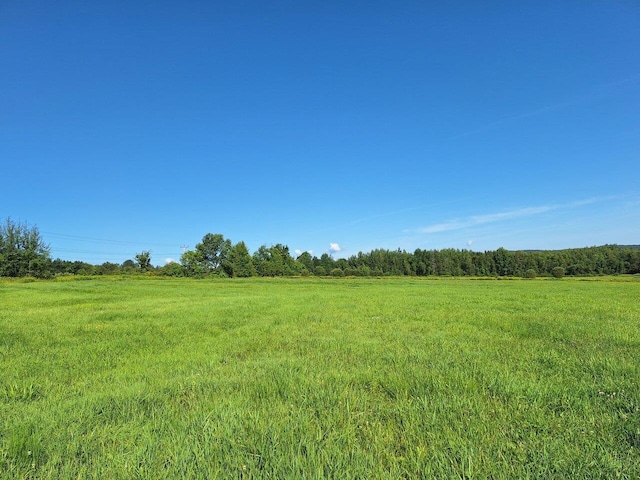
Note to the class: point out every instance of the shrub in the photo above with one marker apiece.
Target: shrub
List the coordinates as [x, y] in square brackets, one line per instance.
[172, 269]
[337, 272]
[531, 273]
[364, 271]
[558, 272]
[351, 271]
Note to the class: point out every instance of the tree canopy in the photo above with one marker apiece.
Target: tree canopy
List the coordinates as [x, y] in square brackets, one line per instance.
[144, 260]
[238, 262]
[22, 251]
[212, 251]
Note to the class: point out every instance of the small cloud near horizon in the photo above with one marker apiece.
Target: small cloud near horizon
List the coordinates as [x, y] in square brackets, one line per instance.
[167, 261]
[334, 247]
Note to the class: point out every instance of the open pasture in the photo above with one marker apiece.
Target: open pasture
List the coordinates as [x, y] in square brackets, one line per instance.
[320, 378]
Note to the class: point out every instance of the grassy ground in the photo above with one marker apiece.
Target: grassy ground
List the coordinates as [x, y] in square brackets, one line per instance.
[320, 378]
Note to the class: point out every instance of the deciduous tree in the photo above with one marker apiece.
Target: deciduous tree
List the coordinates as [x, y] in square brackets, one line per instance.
[143, 259]
[212, 251]
[22, 251]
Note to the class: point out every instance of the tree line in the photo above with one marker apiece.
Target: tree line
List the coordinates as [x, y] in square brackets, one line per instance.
[24, 253]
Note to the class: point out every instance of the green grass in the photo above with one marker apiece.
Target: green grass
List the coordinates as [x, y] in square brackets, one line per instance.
[320, 378]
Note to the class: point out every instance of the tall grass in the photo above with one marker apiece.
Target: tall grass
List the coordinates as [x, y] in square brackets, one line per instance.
[320, 378]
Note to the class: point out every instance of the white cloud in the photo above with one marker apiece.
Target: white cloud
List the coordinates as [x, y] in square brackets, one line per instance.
[482, 219]
[298, 252]
[334, 247]
[167, 261]
[458, 224]
[497, 217]
[443, 227]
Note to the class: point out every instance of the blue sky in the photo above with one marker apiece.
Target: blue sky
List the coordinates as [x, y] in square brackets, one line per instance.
[326, 126]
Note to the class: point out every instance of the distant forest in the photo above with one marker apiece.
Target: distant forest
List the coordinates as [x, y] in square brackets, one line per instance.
[277, 261]
[24, 253]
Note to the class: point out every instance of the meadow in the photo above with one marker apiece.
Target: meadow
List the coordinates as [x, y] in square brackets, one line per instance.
[143, 377]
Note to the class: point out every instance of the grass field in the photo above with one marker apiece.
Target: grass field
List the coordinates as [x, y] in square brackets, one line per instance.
[320, 378]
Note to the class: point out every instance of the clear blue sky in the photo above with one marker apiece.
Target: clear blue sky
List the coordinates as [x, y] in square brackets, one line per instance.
[130, 126]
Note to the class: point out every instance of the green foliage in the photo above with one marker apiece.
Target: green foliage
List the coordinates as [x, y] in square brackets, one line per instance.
[308, 378]
[239, 262]
[306, 260]
[143, 259]
[212, 251]
[364, 270]
[66, 267]
[128, 264]
[275, 261]
[107, 268]
[172, 269]
[557, 272]
[350, 271]
[326, 262]
[192, 263]
[210, 258]
[337, 272]
[22, 251]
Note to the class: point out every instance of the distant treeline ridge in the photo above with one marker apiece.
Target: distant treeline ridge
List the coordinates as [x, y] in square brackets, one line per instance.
[24, 253]
[277, 261]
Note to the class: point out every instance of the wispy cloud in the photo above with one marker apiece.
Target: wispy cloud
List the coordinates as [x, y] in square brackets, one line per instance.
[475, 220]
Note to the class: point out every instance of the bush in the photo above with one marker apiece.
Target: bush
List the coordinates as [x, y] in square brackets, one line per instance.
[364, 271]
[172, 269]
[558, 272]
[531, 273]
[337, 272]
[351, 271]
